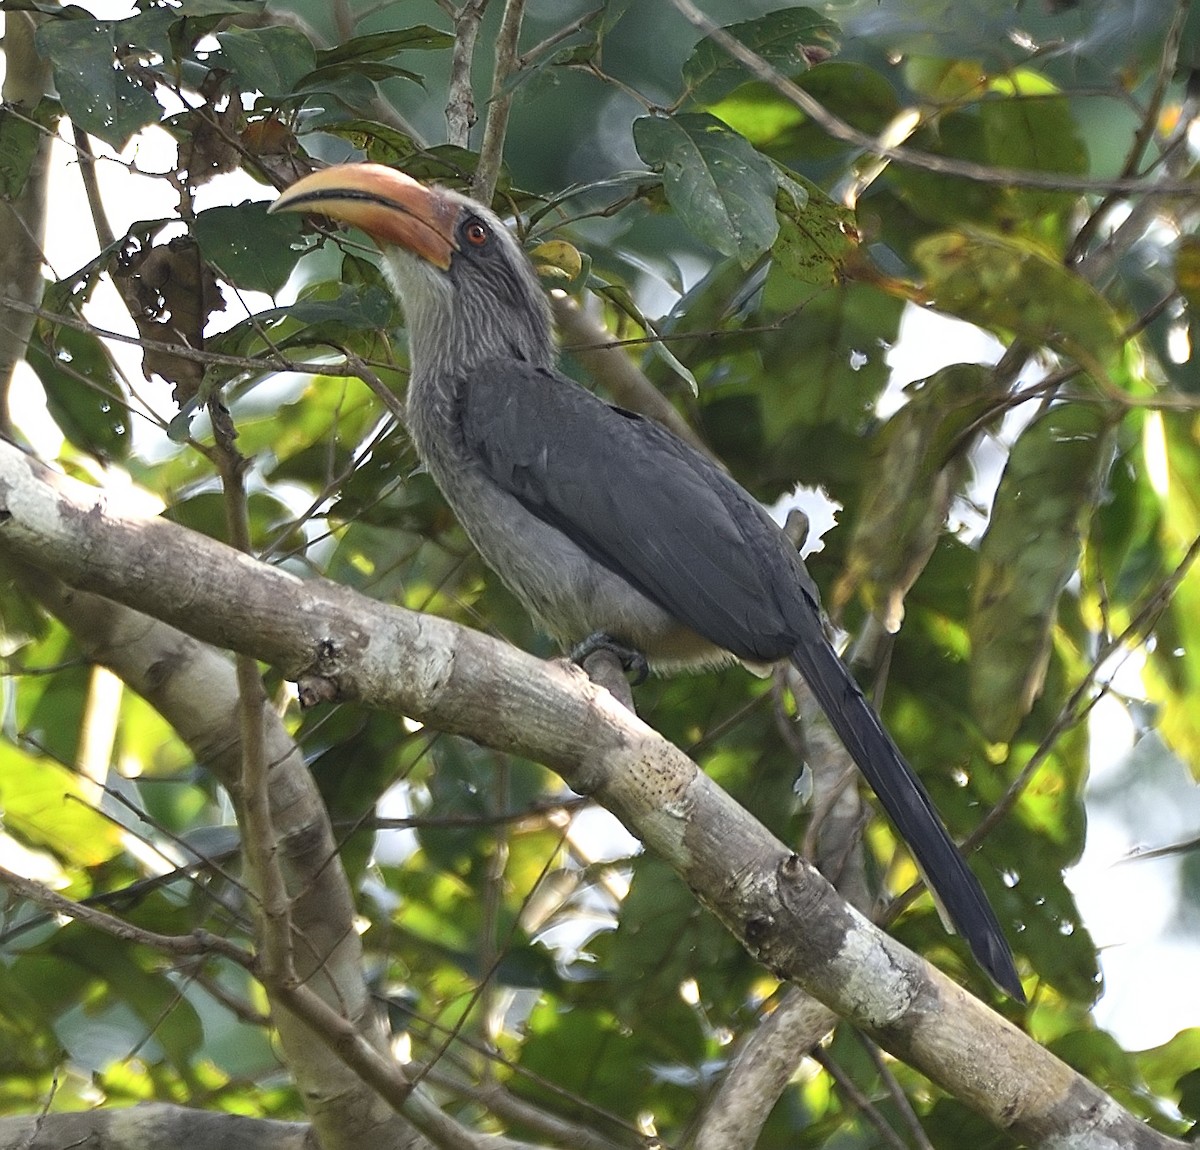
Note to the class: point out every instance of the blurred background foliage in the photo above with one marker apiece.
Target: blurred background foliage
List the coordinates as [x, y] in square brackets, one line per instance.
[764, 276]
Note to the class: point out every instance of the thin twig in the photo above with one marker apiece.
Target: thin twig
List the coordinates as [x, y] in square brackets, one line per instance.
[91, 187]
[1143, 135]
[490, 945]
[198, 942]
[491, 152]
[460, 101]
[272, 361]
[858, 1099]
[569, 29]
[899, 1098]
[259, 840]
[504, 1104]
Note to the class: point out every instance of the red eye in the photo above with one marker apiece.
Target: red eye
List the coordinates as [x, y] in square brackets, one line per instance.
[477, 233]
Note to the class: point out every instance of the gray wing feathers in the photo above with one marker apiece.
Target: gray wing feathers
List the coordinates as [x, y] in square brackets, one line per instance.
[639, 501]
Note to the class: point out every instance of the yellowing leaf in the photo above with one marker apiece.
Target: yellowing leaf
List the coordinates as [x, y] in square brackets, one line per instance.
[1014, 286]
[44, 804]
[1187, 269]
[557, 258]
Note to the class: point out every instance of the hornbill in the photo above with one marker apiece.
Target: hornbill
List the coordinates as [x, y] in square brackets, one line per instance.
[607, 527]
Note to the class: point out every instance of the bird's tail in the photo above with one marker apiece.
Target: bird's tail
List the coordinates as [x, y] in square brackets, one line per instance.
[910, 808]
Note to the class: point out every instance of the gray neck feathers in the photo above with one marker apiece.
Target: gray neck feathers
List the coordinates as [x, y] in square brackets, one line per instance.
[457, 320]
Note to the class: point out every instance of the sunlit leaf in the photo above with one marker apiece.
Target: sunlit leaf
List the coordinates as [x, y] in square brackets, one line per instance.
[1013, 286]
[48, 806]
[816, 235]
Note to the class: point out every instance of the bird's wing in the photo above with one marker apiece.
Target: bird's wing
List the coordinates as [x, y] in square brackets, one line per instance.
[641, 502]
[664, 517]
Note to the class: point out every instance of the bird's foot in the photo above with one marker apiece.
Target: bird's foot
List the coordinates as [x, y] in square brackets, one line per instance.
[633, 662]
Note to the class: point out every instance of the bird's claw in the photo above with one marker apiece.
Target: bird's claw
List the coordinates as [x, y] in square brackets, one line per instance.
[632, 661]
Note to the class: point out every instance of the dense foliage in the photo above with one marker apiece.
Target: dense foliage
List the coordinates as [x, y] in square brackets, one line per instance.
[1010, 529]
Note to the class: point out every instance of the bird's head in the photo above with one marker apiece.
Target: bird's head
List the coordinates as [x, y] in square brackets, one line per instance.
[468, 291]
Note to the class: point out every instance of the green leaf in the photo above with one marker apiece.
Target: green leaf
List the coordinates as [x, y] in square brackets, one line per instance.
[205, 512]
[48, 806]
[98, 91]
[723, 190]
[249, 248]
[385, 45]
[816, 234]
[855, 93]
[663, 939]
[164, 1013]
[1033, 131]
[196, 9]
[443, 163]
[83, 392]
[909, 487]
[353, 81]
[1031, 549]
[785, 39]
[1014, 286]
[1173, 663]
[269, 60]
[826, 363]
[21, 134]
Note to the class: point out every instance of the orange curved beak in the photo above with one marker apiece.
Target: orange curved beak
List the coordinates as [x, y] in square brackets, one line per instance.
[389, 206]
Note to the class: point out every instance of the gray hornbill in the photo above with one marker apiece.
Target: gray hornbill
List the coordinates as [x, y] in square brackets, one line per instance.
[605, 525]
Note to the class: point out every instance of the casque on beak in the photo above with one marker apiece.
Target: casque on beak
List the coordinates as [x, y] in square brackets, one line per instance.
[389, 206]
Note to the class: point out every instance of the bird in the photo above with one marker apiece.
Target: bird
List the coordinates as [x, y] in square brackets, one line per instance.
[609, 528]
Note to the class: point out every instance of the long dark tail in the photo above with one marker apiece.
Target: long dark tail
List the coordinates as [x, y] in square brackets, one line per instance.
[910, 808]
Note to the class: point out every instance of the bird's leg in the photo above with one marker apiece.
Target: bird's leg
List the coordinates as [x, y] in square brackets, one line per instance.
[631, 660]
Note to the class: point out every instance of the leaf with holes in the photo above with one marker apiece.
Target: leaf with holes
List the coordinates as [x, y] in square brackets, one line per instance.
[791, 40]
[723, 190]
[101, 97]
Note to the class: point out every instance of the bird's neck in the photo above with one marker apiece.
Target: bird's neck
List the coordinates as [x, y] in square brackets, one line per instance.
[449, 338]
[447, 344]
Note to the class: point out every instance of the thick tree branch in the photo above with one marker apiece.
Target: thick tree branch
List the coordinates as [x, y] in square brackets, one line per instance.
[195, 688]
[767, 1059]
[153, 1124]
[780, 908]
[761, 1069]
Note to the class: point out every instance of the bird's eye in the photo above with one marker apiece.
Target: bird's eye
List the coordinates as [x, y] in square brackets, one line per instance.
[477, 233]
